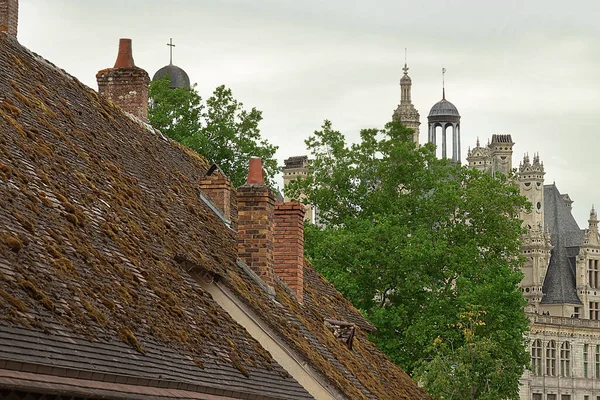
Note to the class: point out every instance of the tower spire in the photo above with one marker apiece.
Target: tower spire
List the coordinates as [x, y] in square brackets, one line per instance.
[406, 112]
[443, 84]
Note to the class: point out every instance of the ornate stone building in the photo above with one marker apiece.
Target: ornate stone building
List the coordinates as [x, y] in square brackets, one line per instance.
[561, 282]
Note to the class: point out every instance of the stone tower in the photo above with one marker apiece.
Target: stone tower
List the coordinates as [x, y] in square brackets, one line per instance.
[588, 268]
[501, 149]
[536, 241]
[297, 167]
[125, 84]
[445, 115]
[9, 16]
[406, 111]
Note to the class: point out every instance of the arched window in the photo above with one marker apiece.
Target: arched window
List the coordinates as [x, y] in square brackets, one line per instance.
[536, 357]
[551, 358]
[565, 359]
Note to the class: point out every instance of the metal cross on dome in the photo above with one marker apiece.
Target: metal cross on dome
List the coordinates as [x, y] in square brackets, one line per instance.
[171, 45]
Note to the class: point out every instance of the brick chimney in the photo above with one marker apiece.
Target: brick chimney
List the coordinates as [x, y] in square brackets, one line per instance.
[125, 84]
[288, 251]
[256, 208]
[9, 16]
[220, 191]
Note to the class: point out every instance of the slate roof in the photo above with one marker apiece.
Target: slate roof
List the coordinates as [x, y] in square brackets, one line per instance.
[443, 108]
[102, 235]
[177, 76]
[560, 284]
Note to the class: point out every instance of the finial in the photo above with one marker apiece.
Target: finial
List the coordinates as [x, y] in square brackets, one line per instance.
[171, 45]
[443, 84]
[405, 69]
[477, 141]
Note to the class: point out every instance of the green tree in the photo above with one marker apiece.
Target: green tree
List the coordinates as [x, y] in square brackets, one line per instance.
[220, 128]
[415, 242]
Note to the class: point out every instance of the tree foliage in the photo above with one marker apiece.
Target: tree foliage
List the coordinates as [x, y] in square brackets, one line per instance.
[219, 128]
[415, 243]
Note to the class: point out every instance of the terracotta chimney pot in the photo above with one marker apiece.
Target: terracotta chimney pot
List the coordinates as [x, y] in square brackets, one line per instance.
[255, 171]
[125, 56]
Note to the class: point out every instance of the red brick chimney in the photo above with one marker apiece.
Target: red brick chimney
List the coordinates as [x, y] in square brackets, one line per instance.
[9, 16]
[288, 251]
[220, 191]
[125, 85]
[256, 208]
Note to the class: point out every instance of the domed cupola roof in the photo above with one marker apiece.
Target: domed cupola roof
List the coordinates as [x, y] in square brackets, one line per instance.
[444, 108]
[179, 78]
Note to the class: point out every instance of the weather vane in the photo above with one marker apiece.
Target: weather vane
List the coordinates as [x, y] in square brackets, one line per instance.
[171, 45]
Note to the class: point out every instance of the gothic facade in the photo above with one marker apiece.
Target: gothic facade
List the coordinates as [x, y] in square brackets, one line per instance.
[561, 282]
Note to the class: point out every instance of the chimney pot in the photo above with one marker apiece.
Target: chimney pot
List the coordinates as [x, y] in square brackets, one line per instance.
[255, 171]
[125, 56]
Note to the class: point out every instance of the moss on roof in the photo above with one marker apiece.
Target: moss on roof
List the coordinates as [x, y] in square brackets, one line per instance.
[95, 209]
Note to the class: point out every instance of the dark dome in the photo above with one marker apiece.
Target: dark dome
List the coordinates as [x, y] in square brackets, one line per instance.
[405, 79]
[179, 78]
[443, 108]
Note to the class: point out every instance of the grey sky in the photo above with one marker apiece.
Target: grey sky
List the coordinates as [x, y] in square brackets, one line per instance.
[528, 68]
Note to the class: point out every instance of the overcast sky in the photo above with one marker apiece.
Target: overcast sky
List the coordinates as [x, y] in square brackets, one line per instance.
[526, 68]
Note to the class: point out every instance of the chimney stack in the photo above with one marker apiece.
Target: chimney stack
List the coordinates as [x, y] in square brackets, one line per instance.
[288, 251]
[256, 208]
[9, 16]
[220, 191]
[125, 85]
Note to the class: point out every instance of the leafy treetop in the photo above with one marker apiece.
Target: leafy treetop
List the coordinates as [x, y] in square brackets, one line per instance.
[220, 129]
[415, 243]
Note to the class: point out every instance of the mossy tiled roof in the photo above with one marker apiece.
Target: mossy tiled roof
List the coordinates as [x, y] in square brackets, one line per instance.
[97, 212]
[94, 209]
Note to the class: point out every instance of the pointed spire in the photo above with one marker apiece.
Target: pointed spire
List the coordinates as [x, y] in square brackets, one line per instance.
[593, 221]
[477, 141]
[443, 84]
